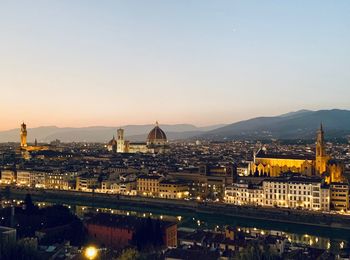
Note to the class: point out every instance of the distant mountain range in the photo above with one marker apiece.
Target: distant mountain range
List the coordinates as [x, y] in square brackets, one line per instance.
[301, 124]
[103, 133]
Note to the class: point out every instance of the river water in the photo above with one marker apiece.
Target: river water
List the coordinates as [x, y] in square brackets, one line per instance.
[318, 237]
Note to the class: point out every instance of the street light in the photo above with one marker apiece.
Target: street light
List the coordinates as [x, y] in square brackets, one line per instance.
[90, 252]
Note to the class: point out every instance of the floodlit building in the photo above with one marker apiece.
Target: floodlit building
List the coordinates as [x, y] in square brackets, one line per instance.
[172, 189]
[148, 185]
[244, 194]
[273, 165]
[7, 176]
[297, 192]
[156, 143]
[24, 178]
[23, 142]
[292, 192]
[54, 180]
[339, 193]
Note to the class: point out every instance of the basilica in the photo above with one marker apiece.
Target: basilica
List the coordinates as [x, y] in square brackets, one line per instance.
[321, 165]
[156, 143]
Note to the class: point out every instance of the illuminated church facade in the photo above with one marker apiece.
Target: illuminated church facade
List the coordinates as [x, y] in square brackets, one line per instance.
[156, 143]
[321, 164]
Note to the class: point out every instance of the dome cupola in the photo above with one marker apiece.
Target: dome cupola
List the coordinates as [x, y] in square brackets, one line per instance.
[156, 136]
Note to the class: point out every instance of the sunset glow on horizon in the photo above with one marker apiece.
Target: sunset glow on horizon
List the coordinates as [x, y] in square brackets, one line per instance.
[78, 63]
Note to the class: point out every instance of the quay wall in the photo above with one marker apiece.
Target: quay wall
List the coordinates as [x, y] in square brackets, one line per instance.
[311, 218]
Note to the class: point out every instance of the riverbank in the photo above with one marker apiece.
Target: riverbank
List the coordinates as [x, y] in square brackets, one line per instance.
[278, 215]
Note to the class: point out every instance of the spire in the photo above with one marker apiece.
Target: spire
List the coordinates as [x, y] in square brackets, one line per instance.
[321, 127]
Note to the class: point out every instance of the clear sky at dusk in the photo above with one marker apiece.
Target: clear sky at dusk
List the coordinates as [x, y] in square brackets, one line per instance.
[83, 63]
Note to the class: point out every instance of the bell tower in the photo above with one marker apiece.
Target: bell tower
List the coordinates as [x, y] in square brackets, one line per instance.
[321, 156]
[120, 141]
[23, 135]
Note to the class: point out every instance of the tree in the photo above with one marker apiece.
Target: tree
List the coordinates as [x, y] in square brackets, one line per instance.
[257, 250]
[129, 254]
[29, 206]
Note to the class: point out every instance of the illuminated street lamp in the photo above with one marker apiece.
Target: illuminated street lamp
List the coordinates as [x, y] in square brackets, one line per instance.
[90, 252]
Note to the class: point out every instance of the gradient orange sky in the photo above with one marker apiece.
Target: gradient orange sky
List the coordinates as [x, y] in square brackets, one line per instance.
[80, 63]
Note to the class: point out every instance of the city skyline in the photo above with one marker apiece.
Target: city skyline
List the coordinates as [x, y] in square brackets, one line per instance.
[190, 129]
[118, 63]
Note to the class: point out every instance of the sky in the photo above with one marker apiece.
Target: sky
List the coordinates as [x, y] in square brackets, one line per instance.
[84, 63]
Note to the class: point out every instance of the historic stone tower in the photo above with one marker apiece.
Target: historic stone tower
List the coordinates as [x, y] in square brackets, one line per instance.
[120, 141]
[23, 135]
[321, 156]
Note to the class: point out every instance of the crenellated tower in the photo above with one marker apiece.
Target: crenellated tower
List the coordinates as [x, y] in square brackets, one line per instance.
[23, 135]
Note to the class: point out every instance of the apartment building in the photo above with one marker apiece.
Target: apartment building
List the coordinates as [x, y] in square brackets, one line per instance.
[339, 193]
[292, 192]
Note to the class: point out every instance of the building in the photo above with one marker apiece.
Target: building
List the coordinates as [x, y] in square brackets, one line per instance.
[156, 143]
[25, 178]
[339, 193]
[274, 165]
[119, 187]
[243, 169]
[148, 185]
[292, 192]
[86, 183]
[23, 135]
[8, 237]
[24, 147]
[244, 194]
[206, 179]
[297, 192]
[57, 180]
[112, 145]
[8, 176]
[117, 231]
[172, 189]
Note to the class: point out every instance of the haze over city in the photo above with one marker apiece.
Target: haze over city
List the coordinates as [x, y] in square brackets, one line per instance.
[83, 63]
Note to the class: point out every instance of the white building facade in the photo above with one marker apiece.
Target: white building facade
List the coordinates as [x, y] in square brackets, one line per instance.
[294, 192]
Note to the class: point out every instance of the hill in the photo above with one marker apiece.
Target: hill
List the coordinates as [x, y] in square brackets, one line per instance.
[102, 133]
[302, 124]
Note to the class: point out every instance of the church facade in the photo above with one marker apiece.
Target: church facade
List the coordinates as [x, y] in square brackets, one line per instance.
[156, 143]
[321, 164]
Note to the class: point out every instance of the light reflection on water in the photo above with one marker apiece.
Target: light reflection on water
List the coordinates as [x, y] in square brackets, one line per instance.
[189, 222]
[296, 234]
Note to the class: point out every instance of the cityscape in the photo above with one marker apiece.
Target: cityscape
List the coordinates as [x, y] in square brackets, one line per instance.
[134, 130]
[121, 186]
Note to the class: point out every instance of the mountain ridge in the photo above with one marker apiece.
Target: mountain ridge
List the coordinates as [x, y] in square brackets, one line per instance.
[102, 133]
[301, 124]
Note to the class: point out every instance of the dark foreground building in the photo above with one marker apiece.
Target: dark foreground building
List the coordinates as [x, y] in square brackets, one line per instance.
[117, 231]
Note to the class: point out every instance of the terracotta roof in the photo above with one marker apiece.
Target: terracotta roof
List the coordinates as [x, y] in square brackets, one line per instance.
[156, 134]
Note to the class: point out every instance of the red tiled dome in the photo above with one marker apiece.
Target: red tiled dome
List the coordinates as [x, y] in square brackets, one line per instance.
[156, 134]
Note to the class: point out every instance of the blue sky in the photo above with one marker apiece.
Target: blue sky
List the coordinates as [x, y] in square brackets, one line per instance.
[80, 63]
